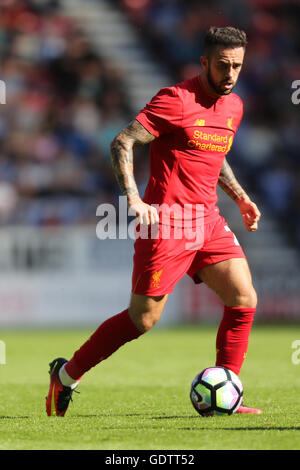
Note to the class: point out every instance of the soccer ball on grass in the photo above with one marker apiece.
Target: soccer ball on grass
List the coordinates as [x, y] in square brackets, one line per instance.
[216, 391]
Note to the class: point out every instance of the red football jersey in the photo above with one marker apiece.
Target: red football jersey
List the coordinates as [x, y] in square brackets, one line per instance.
[194, 133]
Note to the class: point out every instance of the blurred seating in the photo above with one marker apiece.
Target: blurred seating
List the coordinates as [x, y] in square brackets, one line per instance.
[63, 105]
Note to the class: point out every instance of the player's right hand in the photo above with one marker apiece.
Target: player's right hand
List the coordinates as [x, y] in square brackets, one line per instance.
[144, 213]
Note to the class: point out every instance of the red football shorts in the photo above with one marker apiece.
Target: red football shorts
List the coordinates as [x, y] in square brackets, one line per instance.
[159, 263]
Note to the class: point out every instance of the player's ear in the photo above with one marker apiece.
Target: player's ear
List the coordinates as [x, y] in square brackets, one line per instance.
[204, 61]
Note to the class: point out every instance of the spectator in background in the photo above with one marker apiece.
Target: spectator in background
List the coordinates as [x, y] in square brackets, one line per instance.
[58, 117]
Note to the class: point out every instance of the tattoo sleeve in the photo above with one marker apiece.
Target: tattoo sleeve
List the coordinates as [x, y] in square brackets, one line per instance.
[228, 182]
[122, 156]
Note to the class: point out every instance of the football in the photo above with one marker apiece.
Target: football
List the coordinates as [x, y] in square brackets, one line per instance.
[216, 391]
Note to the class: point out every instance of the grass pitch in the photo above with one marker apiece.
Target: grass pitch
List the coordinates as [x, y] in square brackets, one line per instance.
[138, 399]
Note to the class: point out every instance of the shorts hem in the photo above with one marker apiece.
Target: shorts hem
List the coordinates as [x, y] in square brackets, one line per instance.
[152, 294]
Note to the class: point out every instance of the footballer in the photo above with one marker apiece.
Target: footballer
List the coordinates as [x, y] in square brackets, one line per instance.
[190, 128]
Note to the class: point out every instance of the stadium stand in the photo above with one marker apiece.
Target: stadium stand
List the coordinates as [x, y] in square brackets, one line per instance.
[77, 71]
[64, 103]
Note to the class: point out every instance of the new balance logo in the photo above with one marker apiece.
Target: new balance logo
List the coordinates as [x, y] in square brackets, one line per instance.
[199, 122]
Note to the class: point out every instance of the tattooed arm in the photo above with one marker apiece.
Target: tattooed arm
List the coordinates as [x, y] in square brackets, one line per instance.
[249, 211]
[228, 182]
[122, 162]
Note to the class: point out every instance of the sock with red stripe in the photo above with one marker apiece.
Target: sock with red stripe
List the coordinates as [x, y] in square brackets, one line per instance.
[233, 337]
[109, 337]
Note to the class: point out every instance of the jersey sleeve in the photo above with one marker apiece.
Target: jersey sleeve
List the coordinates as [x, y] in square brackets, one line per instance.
[163, 114]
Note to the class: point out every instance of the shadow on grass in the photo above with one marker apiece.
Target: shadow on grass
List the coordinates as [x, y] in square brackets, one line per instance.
[202, 428]
[201, 421]
[110, 415]
[246, 428]
[14, 417]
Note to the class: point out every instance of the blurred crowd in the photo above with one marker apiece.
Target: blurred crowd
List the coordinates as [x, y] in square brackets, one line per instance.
[63, 106]
[64, 103]
[266, 149]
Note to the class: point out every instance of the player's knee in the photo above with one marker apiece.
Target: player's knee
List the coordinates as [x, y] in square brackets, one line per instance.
[144, 322]
[145, 311]
[252, 298]
[246, 298]
[147, 323]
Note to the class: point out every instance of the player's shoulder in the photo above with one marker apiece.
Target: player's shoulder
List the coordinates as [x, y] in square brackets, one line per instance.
[179, 90]
[235, 100]
[167, 91]
[186, 87]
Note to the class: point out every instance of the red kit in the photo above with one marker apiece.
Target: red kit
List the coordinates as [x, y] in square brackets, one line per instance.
[194, 133]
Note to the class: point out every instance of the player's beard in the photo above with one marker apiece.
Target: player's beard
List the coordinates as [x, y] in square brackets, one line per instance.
[217, 88]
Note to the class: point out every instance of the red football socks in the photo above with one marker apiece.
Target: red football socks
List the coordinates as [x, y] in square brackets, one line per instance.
[109, 337]
[232, 340]
[233, 337]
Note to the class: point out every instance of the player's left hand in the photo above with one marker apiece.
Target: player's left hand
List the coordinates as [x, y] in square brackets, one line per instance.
[250, 214]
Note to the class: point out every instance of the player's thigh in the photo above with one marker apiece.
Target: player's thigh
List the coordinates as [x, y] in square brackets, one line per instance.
[145, 310]
[231, 280]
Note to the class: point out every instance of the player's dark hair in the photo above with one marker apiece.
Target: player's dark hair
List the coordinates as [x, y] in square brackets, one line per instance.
[227, 36]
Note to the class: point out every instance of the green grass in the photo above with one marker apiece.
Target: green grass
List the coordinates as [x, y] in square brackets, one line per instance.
[139, 398]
